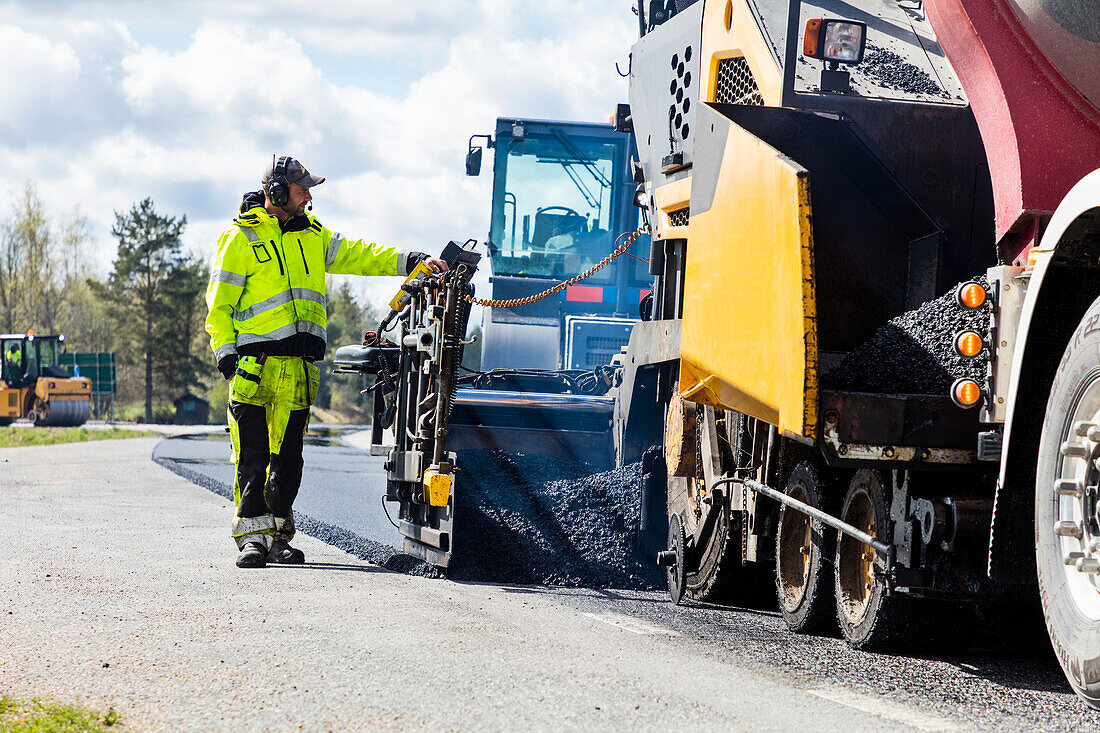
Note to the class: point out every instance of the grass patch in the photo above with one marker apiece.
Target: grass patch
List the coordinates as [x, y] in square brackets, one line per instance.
[11, 437]
[45, 716]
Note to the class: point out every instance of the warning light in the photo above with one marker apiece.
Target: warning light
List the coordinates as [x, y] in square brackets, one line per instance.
[1032, 256]
[970, 294]
[966, 392]
[968, 344]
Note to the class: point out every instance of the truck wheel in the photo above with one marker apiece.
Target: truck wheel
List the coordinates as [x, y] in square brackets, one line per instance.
[1067, 525]
[802, 572]
[869, 616]
[652, 511]
[713, 569]
[40, 416]
[5, 421]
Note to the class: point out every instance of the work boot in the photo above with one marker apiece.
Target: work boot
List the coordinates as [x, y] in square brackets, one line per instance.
[253, 555]
[282, 552]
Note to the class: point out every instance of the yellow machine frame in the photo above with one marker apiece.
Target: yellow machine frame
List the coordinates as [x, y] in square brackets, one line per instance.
[749, 335]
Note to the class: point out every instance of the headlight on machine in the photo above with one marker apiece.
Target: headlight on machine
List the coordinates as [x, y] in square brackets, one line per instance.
[838, 41]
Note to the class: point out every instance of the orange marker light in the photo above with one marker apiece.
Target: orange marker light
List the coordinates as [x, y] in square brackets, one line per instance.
[966, 392]
[1032, 256]
[968, 344]
[811, 41]
[970, 295]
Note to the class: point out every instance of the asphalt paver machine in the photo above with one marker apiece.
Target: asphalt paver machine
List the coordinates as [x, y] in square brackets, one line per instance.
[414, 389]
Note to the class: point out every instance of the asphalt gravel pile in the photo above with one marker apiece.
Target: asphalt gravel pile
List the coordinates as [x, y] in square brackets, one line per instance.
[530, 519]
[914, 353]
[894, 72]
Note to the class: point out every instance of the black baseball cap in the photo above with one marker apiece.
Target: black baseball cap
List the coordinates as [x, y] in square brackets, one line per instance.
[295, 173]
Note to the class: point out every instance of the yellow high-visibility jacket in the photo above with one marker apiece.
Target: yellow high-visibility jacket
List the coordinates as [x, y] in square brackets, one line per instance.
[267, 284]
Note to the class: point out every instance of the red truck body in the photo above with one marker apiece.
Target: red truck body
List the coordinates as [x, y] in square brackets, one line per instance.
[1041, 132]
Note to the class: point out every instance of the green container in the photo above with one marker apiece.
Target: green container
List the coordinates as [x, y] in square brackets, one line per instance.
[96, 366]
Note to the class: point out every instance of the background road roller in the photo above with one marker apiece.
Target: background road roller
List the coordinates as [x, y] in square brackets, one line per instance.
[33, 384]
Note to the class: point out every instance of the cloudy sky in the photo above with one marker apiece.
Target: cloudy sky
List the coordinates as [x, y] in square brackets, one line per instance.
[105, 103]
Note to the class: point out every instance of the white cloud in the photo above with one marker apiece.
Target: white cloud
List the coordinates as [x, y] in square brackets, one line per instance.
[104, 111]
[39, 75]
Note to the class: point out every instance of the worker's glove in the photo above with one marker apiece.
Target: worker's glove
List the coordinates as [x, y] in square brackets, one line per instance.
[227, 365]
[414, 259]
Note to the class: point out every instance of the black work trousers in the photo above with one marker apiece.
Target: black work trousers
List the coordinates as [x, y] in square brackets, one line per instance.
[267, 483]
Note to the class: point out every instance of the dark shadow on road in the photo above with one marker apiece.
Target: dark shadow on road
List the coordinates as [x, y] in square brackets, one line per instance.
[331, 566]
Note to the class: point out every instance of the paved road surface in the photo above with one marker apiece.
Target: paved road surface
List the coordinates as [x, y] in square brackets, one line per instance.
[118, 589]
[341, 485]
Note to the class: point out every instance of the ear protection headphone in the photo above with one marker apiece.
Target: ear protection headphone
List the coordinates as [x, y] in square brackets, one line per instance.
[278, 190]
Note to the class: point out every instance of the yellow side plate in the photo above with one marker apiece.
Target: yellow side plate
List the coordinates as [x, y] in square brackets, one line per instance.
[749, 339]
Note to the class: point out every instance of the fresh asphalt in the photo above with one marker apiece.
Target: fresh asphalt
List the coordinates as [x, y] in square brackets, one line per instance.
[342, 485]
[1006, 679]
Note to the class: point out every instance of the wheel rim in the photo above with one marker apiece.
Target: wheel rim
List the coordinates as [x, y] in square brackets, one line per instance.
[856, 560]
[1075, 496]
[675, 577]
[795, 546]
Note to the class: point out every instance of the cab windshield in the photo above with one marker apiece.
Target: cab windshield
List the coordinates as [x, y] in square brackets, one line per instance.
[49, 352]
[557, 209]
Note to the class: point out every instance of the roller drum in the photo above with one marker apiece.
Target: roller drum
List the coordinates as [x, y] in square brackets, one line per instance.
[68, 413]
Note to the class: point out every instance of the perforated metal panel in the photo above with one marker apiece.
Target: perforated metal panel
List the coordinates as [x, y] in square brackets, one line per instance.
[679, 218]
[736, 84]
[681, 91]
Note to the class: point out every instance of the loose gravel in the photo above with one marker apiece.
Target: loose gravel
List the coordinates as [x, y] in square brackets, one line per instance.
[894, 72]
[914, 353]
[531, 519]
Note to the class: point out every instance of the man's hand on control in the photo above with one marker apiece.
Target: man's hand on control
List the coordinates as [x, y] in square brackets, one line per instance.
[436, 264]
[415, 258]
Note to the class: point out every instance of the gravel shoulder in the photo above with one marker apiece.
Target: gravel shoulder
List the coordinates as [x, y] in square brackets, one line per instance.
[118, 589]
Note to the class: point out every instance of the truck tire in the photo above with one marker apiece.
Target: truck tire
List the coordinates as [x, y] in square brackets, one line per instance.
[870, 617]
[803, 557]
[713, 571]
[1067, 528]
[6, 421]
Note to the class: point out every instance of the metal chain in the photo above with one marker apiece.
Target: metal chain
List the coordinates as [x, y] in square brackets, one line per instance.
[618, 252]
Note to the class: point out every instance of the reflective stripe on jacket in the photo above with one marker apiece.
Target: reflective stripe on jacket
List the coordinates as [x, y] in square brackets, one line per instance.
[268, 286]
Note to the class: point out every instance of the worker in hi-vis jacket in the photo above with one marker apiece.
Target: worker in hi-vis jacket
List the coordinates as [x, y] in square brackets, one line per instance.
[267, 328]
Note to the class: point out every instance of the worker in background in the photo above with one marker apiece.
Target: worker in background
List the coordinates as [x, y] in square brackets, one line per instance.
[13, 365]
[267, 328]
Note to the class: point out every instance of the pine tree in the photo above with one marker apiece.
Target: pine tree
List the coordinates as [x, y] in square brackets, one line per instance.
[141, 285]
[182, 312]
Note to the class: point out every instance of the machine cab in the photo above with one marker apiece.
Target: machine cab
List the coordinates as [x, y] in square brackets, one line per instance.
[27, 357]
[561, 198]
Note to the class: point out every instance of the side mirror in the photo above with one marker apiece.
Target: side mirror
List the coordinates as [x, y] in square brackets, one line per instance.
[473, 155]
[473, 162]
